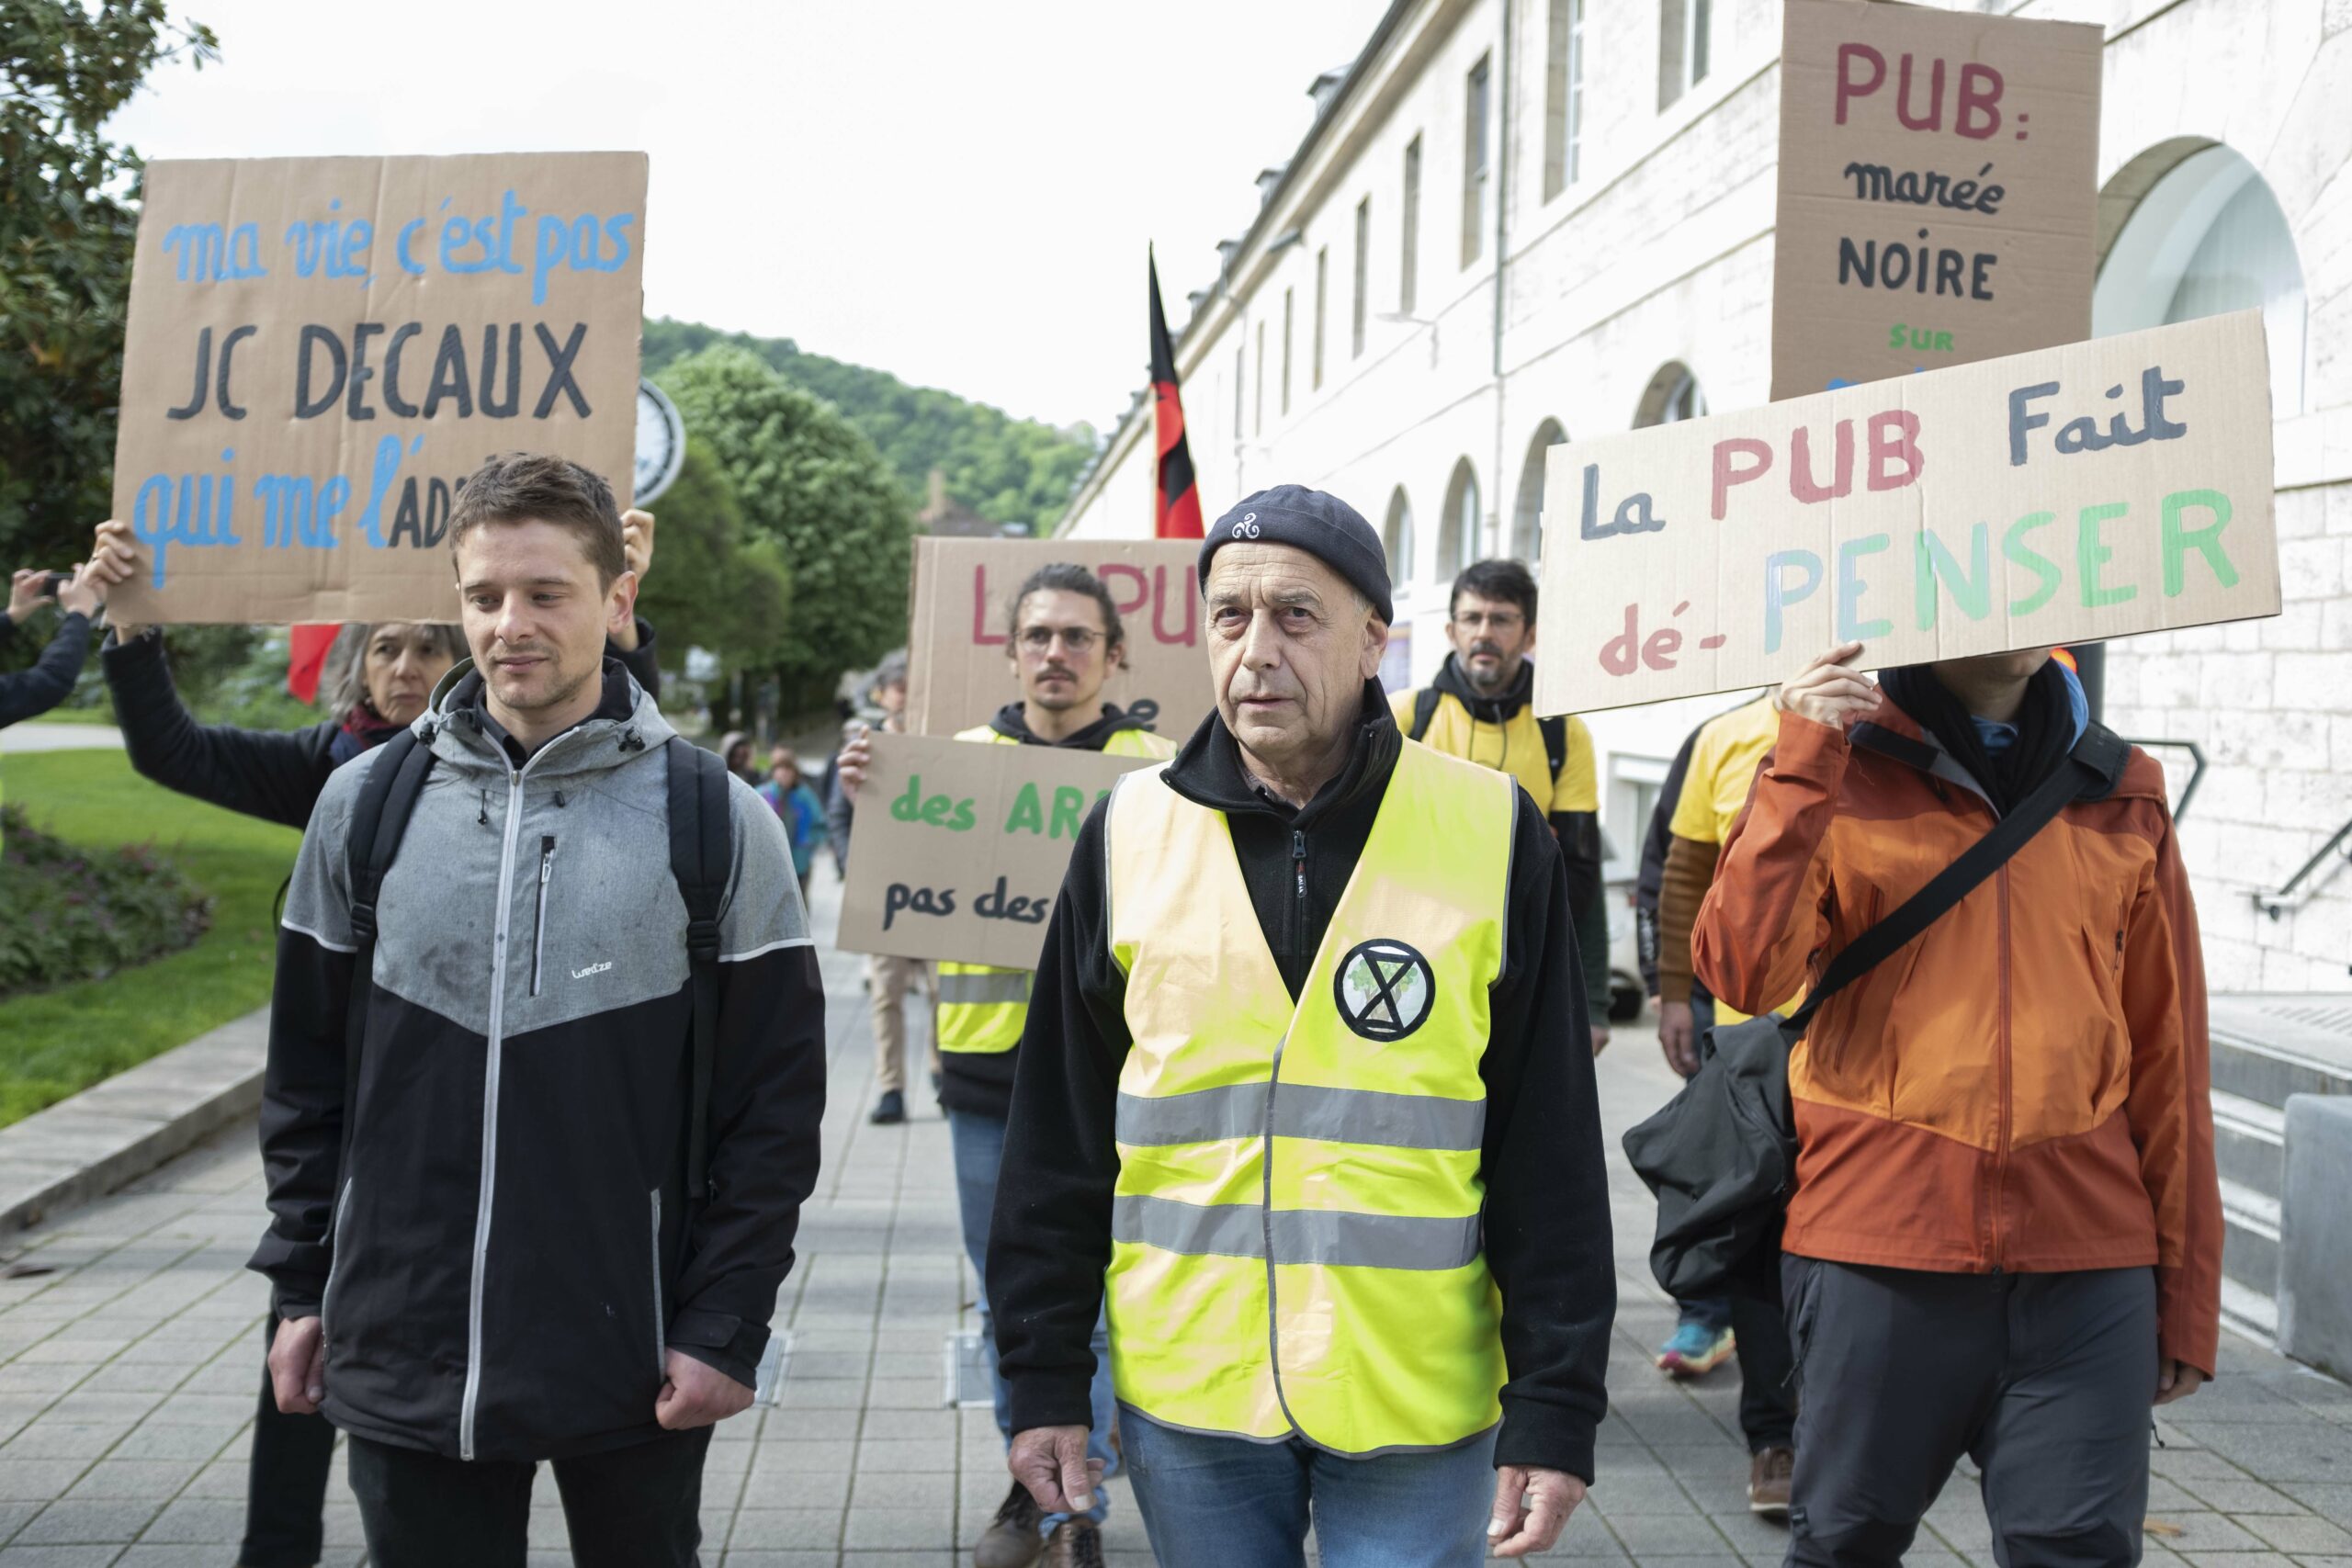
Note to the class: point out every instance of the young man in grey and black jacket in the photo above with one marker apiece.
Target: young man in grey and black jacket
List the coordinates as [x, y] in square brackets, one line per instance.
[503, 1262]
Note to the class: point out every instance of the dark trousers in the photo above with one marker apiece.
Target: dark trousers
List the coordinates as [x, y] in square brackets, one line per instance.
[286, 1480]
[633, 1507]
[2044, 1380]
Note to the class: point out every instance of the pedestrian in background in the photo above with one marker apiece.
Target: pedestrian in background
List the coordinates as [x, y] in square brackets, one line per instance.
[1305, 1089]
[31, 692]
[1063, 639]
[2004, 1239]
[797, 807]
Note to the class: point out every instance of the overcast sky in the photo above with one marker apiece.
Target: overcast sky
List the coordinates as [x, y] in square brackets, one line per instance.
[959, 193]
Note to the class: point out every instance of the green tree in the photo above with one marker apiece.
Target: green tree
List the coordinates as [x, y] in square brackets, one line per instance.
[811, 483]
[68, 223]
[715, 584]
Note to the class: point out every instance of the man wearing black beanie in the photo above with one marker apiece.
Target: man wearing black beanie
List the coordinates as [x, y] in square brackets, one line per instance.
[1306, 1090]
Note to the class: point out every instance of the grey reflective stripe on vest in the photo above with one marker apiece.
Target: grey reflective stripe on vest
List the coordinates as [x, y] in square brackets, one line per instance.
[1302, 1110]
[1300, 1235]
[979, 990]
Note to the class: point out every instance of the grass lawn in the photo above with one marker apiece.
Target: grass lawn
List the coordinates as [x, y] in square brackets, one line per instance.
[54, 1042]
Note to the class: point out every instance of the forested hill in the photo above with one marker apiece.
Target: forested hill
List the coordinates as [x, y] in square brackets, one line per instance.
[1007, 469]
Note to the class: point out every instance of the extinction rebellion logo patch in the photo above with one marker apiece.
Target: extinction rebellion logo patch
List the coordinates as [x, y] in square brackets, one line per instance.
[1384, 988]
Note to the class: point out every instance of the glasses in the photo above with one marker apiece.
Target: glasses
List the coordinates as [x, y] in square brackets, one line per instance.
[1500, 621]
[1040, 640]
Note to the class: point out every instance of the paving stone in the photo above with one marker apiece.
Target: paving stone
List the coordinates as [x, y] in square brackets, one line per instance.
[72, 1522]
[2301, 1534]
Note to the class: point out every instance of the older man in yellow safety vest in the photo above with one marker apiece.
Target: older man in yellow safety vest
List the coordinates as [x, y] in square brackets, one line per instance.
[1308, 1089]
[1064, 638]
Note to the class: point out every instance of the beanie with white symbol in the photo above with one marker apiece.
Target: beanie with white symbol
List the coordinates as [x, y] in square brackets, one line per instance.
[1321, 523]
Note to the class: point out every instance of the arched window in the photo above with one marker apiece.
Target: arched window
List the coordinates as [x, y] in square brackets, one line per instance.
[1673, 395]
[1397, 538]
[1458, 530]
[1527, 517]
[2207, 237]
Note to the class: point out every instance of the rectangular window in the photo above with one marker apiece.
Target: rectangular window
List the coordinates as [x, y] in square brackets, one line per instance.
[1474, 163]
[1287, 314]
[1408, 255]
[1363, 274]
[1322, 292]
[1258, 426]
[1683, 34]
[1563, 96]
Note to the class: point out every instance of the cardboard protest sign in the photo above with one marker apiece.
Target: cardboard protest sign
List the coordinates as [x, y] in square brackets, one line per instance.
[321, 349]
[958, 674]
[2081, 492]
[1939, 187]
[961, 846]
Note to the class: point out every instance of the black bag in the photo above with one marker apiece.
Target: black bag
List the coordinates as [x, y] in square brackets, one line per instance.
[1721, 1155]
[701, 855]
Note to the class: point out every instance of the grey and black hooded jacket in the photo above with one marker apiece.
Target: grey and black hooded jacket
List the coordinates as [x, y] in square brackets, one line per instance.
[511, 1251]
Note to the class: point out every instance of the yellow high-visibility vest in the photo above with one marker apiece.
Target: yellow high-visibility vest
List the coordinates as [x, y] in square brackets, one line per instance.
[982, 1010]
[1296, 1244]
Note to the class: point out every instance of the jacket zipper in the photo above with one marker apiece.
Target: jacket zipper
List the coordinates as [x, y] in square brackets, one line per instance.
[487, 1188]
[1298, 902]
[540, 917]
[335, 1255]
[2002, 1108]
[661, 1320]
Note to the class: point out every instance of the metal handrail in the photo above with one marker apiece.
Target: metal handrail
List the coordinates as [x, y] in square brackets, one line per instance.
[2196, 771]
[2279, 903]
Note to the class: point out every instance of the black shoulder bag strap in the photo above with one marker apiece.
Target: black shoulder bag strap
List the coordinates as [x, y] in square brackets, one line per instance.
[378, 817]
[1555, 731]
[1424, 710]
[2087, 771]
[701, 856]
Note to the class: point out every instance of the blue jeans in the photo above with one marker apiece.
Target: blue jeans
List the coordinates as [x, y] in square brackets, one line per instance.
[979, 1143]
[1212, 1502]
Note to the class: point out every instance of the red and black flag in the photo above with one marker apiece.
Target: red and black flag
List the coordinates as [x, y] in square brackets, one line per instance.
[1176, 507]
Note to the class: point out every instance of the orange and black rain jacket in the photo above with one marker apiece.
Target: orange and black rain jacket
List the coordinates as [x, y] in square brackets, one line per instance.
[2024, 1087]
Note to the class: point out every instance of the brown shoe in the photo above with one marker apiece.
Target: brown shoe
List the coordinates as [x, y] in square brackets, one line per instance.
[1768, 1481]
[1075, 1543]
[1012, 1541]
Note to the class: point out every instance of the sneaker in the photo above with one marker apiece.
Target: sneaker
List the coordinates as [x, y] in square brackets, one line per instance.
[1076, 1543]
[1695, 1350]
[890, 1110]
[1011, 1539]
[1769, 1474]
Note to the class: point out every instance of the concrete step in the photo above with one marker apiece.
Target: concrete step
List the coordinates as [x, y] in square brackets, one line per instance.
[2250, 1143]
[2250, 1238]
[2266, 1047]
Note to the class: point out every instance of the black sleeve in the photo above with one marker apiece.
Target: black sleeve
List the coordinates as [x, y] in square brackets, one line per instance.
[1547, 1231]
[1579, 833]
[767, 1100]
[51, 680]
[640, 662]
[841, 812]
[276, 776]
[1049, 1239]
[302, 1118]
[1652, 876]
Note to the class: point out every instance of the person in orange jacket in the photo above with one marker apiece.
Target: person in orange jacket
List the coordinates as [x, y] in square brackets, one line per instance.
[2006, 1203]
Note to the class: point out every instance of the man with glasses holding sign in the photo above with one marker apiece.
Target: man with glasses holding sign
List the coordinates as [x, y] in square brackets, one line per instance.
[1064, 638]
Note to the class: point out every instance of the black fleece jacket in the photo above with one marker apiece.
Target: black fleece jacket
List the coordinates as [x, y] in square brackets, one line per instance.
[34, 691]
[977, 1083]
[270, 774]
[1547, 1231]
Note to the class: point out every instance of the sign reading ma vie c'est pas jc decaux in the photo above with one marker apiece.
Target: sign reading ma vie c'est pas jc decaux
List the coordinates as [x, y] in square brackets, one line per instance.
[2075, 493]
[321, 349]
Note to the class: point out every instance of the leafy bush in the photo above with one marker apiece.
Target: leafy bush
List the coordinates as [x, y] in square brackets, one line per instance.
[68, 914]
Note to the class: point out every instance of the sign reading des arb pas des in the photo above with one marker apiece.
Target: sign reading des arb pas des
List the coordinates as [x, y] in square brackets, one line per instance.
[321, 349]
[1937, 190]
[2085, 492]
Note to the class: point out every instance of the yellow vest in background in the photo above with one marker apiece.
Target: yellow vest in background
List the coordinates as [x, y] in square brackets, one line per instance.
[1295, 1239]
[982, 1010]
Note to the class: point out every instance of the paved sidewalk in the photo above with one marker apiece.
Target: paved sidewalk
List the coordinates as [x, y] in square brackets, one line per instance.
[130, 1362]
[36, 735]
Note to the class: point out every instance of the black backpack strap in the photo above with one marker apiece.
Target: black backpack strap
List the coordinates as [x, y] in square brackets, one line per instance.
[1555, 731]
[2082, 775]
[1424, 710]
[378, 817]
[701, 855]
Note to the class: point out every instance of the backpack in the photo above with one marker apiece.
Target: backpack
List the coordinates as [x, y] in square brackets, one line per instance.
[1555, 729]
[701, 853]
[1721, 1155]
